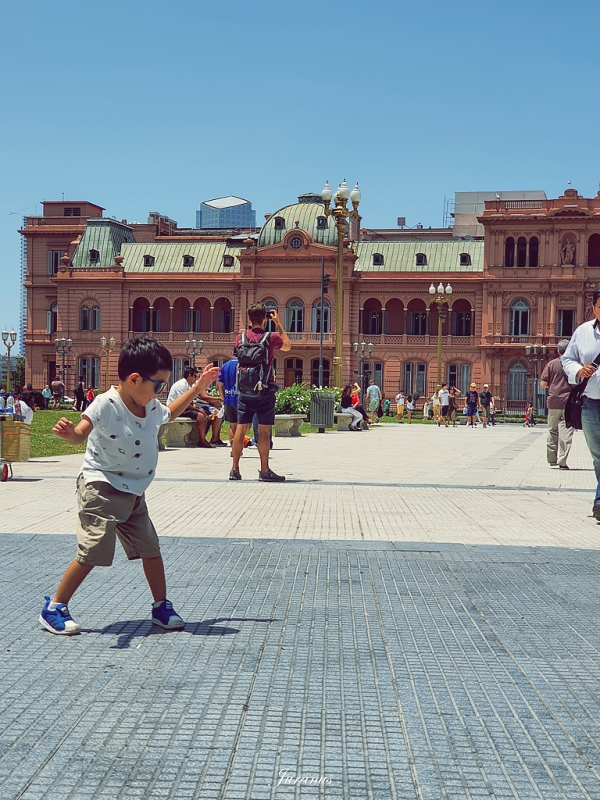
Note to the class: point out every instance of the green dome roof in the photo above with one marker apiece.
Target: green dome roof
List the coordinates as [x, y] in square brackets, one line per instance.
[306, 215]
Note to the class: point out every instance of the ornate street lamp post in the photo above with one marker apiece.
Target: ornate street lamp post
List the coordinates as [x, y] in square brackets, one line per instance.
[63, 348]
[341, 214]
[108, 345]
[369, 348]
[442, 297]
[9, 340]
[536, 354]
[194, 347]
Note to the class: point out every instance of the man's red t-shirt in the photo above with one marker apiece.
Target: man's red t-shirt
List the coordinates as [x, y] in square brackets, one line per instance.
[255, 335]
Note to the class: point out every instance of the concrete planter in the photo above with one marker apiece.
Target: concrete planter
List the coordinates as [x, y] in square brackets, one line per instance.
[288, 424]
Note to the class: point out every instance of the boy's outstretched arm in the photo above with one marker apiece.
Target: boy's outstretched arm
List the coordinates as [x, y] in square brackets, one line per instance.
[71, 434]
[179, 405]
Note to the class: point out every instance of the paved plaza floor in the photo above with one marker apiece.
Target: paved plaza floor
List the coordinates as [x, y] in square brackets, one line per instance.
[413, 614]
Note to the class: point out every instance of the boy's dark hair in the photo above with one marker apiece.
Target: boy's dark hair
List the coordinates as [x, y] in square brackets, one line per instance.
[257, 313]
[595, 296]
[145, 356]
[189, 371]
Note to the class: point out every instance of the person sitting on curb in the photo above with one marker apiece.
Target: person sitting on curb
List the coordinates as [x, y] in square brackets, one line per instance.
[200, 417]
[355, 423]
[215, 412]
[356, 404]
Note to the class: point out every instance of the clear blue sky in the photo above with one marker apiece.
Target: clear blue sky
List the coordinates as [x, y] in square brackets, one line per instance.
[143, 106]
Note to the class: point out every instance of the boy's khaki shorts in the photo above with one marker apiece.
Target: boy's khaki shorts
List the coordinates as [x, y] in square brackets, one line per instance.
[104, 514]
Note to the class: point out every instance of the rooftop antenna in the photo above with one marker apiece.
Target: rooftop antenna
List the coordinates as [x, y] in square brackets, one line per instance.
[63, 194]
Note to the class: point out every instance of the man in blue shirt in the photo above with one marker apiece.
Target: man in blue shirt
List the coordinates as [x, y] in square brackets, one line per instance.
[226, 387]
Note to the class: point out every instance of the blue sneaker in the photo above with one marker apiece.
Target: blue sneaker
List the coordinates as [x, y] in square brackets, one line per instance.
[58, 620]
[166, 616]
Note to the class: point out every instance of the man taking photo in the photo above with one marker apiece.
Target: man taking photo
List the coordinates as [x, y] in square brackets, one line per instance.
[256, 389]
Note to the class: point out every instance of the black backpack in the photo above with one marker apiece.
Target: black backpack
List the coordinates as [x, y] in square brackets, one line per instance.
[252, 378]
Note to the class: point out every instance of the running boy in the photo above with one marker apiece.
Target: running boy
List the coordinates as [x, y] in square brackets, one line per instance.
[121, 427]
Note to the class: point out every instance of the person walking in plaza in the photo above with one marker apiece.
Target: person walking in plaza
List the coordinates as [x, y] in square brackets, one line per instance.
[444, 396]
[580, 362]
[200, 417]
[121, 427]
[485, 399]
[472, 404]
[558, 443]
[47, 395]
[226, 381]
[400, 407]
[453, 396]
[346, 404]
[58, 391]
[410, 407]
[436, 407]
[373, 400]
[79, 395]
[255, 387]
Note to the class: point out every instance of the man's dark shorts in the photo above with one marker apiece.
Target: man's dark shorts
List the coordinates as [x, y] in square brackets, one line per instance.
[444, 411]
[231, 414]
[190, 414]
[264, 406]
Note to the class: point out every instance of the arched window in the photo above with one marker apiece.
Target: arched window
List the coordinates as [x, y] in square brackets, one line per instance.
[462, 322]
[141, 315]
[521, 251]
[417, 318]
[293, 371]
[519, 318]
[270, 305]
[421, 260]
[294, 317]
[465, 260]
[52, 318]
[459, 375]
[414, 378]
[223, 315]
[372, 317]
[89, 369]
[314, 372]
[148, 261]
[517, 381]
[317, 317]
[89, 318]
[280, 223]
[188, 261]
[594, 250]
[534, 249]
[321, 222]
[94, 256]
[509, 252]
[377, 260]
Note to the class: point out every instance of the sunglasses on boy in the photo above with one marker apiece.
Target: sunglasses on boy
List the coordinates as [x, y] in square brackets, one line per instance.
[159, 386]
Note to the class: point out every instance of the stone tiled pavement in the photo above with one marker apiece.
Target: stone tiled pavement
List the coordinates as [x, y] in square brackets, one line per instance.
[415, 617]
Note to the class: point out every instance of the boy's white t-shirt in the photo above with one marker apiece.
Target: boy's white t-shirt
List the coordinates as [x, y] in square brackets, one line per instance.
[400, 399]
[122, 449]
[444, 395]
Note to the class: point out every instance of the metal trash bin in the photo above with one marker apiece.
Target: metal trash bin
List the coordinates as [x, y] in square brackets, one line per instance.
[322, 407]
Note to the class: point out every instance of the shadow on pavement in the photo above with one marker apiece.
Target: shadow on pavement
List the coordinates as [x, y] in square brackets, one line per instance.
[142, 628]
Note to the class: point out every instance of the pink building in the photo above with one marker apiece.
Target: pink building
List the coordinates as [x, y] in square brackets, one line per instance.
[525, 284]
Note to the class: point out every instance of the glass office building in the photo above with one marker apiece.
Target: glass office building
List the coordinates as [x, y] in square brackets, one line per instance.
[226, 212]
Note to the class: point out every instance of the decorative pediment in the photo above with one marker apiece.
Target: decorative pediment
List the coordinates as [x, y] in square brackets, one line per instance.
[571, 212]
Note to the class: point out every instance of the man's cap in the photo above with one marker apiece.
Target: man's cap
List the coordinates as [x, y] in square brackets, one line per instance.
[486, 386]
